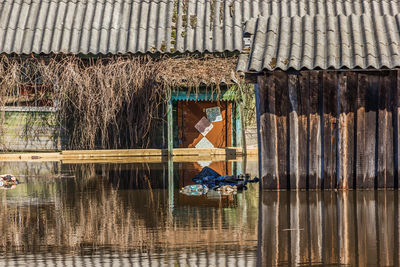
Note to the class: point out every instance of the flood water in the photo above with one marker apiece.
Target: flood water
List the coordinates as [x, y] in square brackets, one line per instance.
[123, 215]
[133, 215]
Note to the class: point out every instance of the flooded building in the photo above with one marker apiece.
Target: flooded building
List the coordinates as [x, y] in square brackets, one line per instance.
[193, 44]
[328, 91]
[108, 31]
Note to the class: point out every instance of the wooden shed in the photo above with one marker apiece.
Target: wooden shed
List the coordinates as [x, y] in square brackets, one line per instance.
[327, 89]
[109, 31]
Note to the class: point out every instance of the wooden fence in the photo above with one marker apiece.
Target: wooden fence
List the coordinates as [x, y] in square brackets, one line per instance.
[329, 129]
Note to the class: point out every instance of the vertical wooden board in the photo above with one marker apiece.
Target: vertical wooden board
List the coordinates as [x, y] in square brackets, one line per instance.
[361, 161]
[180, 124]
[352, 85]
[269, 149]
[170, 129]
[228, 123]
[392, 143]
[372, 107]
[347, 91]
[382, 132]
[293, 84]
[396, 132]
[282, 127]
[314, 146]
[367, 105]
[342, 125]
[303, 102]
[330, 129]
[385, 133]
[360, 131]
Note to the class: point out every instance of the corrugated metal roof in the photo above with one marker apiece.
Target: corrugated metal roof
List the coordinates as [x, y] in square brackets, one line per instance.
[132, 26]
[322, 42]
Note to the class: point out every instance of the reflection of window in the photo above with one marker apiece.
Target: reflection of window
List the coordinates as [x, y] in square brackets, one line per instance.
[31, 90]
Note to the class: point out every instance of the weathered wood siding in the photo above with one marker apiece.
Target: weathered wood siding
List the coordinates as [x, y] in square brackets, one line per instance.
[328, 129]
[29, 131]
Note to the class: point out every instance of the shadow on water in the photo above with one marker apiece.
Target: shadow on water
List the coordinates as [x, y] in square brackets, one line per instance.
[353, 228]
[123, 214]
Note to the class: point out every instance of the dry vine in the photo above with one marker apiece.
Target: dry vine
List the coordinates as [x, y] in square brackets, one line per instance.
[111, 102]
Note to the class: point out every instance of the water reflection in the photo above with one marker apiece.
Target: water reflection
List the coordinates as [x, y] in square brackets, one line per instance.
[129, 214]
[121, 214]
[355, 228]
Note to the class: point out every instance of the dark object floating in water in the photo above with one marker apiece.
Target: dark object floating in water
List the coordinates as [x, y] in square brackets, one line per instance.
[209, 179]
[8, 181]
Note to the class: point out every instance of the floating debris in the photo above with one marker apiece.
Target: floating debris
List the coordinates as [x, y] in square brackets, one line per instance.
[227, 190]
[194, 190]
[8, 181]
[225, 185]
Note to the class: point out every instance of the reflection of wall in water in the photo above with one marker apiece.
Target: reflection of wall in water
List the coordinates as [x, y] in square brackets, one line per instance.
[354, 228]
[86, 213]
[136, 176]
[23, 168]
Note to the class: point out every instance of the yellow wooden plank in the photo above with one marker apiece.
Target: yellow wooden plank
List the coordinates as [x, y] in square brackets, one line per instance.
[153, 159]
[147, 155]
[30, 157]
[115, 152]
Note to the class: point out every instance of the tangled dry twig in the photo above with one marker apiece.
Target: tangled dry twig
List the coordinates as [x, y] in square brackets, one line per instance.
[111, 102]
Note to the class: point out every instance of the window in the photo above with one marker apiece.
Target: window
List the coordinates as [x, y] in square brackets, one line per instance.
[30, 90]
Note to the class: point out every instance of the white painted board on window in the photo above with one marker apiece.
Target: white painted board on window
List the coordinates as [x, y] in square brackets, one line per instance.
[214, 114]
[204, 126]
[204, 143]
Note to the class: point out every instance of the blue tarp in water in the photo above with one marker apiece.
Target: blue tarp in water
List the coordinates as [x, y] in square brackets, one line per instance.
[214, 180]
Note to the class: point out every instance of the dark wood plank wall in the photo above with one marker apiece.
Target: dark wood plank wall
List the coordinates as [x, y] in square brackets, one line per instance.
[328, 129]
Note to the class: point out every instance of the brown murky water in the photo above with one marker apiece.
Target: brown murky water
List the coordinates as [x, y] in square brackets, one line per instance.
[133, 215]
[123, 215]
[354, 228]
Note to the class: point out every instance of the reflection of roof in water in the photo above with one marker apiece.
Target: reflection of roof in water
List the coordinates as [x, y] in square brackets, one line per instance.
[136, 258]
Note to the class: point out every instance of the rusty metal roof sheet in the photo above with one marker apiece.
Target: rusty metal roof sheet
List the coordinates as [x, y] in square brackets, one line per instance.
[141, 26]
[322, 42]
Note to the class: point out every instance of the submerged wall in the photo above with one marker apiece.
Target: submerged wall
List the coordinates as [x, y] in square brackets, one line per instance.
[328, 129]
[29, 130]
